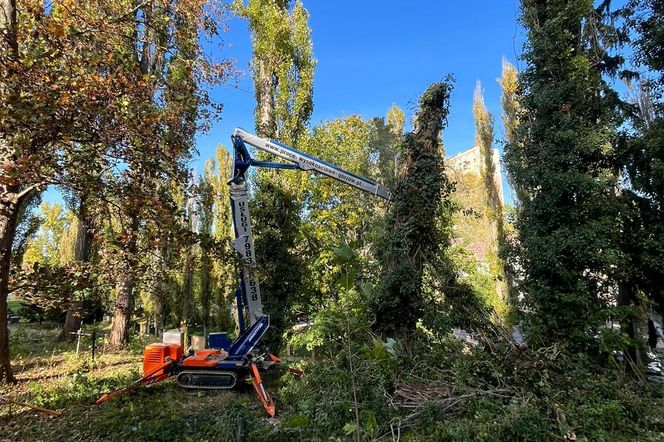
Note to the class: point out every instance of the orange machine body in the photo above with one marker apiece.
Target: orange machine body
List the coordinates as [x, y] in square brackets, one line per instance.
[207, 358]
[155, 355]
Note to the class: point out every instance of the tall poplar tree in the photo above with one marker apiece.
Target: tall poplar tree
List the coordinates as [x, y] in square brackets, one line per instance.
[283, 69]
[166, 49]
[205, 203]
[560, 158]
[510, 103]
[225, 272]
[493, 198]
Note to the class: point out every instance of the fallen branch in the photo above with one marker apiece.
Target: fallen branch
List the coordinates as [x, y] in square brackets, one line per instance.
[34, 407]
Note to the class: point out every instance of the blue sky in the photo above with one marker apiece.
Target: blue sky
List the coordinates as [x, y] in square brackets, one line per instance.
[374, 53]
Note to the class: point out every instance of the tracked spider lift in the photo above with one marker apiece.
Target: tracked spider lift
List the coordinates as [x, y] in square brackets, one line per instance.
[222, 368]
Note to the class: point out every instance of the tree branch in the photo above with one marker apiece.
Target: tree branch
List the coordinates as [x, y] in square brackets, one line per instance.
[22, 195]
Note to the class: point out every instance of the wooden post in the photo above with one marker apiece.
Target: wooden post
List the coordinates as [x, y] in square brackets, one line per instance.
[94, 343]
[78, 338]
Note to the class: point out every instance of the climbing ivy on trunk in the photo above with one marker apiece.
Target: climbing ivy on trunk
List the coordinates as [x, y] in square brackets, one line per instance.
[413, 225]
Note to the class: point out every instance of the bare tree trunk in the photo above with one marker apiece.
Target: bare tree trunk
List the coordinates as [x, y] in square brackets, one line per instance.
[188, 289]
[124, 302]
[157, 289]
[265, 98]
[631, 325]
[9, 198]
[157, 314]
[120, 326]
[81, 254]
[8, 218]
[8, 24]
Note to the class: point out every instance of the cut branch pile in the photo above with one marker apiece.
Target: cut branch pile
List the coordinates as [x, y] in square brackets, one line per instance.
[418, 397]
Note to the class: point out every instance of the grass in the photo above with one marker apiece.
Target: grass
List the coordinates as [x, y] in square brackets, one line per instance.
[15, 305]
[52, 376]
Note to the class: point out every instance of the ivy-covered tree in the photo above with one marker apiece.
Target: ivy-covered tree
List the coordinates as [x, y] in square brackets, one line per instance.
[645, 150]
[559, 160]
[418, 218]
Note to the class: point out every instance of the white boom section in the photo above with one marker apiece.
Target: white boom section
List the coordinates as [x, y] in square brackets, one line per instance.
[309, 163]
[244, 245]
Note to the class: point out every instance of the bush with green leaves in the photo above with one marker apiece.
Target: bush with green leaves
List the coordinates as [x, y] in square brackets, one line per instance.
[446, 389]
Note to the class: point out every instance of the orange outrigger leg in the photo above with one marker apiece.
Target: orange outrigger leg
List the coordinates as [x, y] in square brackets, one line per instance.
[294, 371]
[147, 379]
[262, 393]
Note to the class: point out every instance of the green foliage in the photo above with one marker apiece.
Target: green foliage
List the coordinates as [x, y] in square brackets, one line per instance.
[53, 244]
[283, 67]
[447, 390]
[458, 393]
[649, 41]
[332, 212]
[343, 396]
[276, 216]
[384, 141]
[509, 100]
[568, 222]
[642, 157]
[28, 228]
[223, 267]
[491, 212]
[481, 279]
[421, 201]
